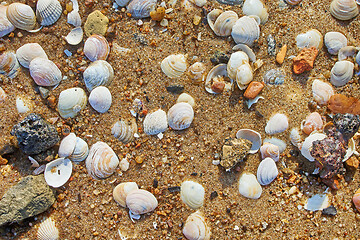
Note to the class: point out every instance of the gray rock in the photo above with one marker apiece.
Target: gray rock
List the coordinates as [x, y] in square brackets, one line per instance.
[219, 57]
[271, 45]
[29, 197]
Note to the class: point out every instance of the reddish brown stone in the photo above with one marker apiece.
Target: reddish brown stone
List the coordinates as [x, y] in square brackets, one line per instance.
[339, 103]
[218, 87]
[305, 60]
[253, 89]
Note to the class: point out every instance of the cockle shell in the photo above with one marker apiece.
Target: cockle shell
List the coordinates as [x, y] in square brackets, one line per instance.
[195, 227]
[334, 41]
[99, 73]
[270, 150]
[141, 8]
[140, 201]
[295, 138]
[58, 172]
[293, 2]
[313, 122]
[71, 102]
[257, 8]
[184, 97]
[222, 22]
[356, 199]
[21, 16]
[344, 9]
[26, 53]
[47, 230]
[251, 135]
[249, 187]
[3, 95]
[180, 116]
[267, 171]
[45, 72]
[121, 191]
[96, 47]
[312, 38]
[218, 74]
[192, 194]
[9, 64]
[6, 26]
[341, 73]
[277, 124]
[100, 99]
[307, 145]
[124, 130]
[244, 75]
[101, 161]
[235, 61]
[174, 65]
[197, 72]
[245, 30]
[48, 11]
[155, 122]
[322, 91]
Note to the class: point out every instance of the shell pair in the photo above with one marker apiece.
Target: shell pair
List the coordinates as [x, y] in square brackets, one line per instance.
[74, 148]
[239, 69]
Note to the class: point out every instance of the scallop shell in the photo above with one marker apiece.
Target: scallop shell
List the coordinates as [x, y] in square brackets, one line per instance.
[26, 53]
[184, 97]
[75, 36]
[270, 150]
[322, 91]
[174, 65]
[312, 38]
[21, 16]
[235, 61]
[96, 47]
[218, 74]
[180, 116]
[295, 137]
[257, 8]
[244, 75]
[347, 52]
[48, 11]
[100, 99]
[101, 161]
[317, 202]
[344, 9]
[222, 22]
[3, 95]
[122, 3]
[99, 73]
[246, 30]
[45, 72]
[293, 2]
[140, 201]
[307, 145]
[6, 26]
[313, 122]
[267, 171]
[249, 187]
[341, 73]
[334, 41]
[67, 145]
[356, 199]
[58, 172]
[124, 130]
[141, 8]
[195, 227]
[277, 124]
[155, 122]
[47, 230]
[80, 152]
[192, 194]
[9, 64]
[121, 191]
[252, 136]
[197, 72]
[71, 102]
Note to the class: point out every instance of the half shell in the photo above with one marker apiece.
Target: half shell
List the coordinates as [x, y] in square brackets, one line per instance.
[252, 136]
[71, 102]
[174, 65]
[222, 22]
[192, 194]
[9, 64]
[100, 99]
[96, 47]
[334, 41]
[45, 72]
[341, 73]
[344, 9]
[218, 74]
[184, 97]
[48, 11]
[47, 230]
[121, 191]
[180, 116]
[140, 201]
[99, 73]
[267, 171]
[58, 172]
[249, 187]
[75, 36]
[317, 202]
[312, 38]
[155, 122]
[307, 145]
[124, 130]
[277, 124]
[26, 53]
[245, 30]
[195, 227]
[322, 91]
[21, 16]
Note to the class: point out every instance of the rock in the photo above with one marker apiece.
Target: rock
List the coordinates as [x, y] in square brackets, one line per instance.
[331, 211]
[177, 89]
[281, 55]
[339, 103]
[352, 162]
[271, 45]
[347, 124]
[219, 57]
[34, 134]
[29, 197]
[253, 89]
[158, 15]
[96, 23]
[44, 92]
[7, 149]
[234, 151]
[305, 60]
[3, 161]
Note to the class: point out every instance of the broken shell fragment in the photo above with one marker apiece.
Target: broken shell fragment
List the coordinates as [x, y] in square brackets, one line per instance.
[269, 150]
[249, 187]
[344, 9]
[308, 143]
[121, 191]
[217, 75]
[21, 16]
[180, 116]
[71, 102]
[317, 202]
[174, 65]
[311, 38]
[245, 30]
[48, 11]
[277, 124]
[96, 47]
[45, 72]
[322, 91]
[334, 41]
[234, 151]
[267, 171]
[341, 73]
[155, 122]
[192, 194]
[26, 53]
[222, 22]
[99, 73]
[9, 64]
[75, 36]
[251, 135]
[124, 130]
[140, 201]
[58, 172]
[295, 138]
[195, 227]
[47, 230]
[100, 99]
[313, 122]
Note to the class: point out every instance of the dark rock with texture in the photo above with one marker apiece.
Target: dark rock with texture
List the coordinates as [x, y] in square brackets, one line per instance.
[219, 57]
[331, 211]
[347, 124]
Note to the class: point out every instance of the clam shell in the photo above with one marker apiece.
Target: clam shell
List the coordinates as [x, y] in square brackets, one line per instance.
[344, 9]
[195, 227]
[121, 191]
[252, 136]
[3, 95]
[246, 49]
[6, 26]
[180, 116]
[322, 91]
[222, 22]
[313, 122]
[356, 200]
[101, 161]
[235, 61]
[47, 230]
[197, 72]
[140, 201]
[99, 73]
[155, 122]
[80, 152]
[75, 36]
[307, 145]
[218, 73]
[71, 102]
[48, 11]
[312, 38]
[277, 124]
[244, 75]
[245, 30]
[96, 47]
[124, 130]
[278, 142]
[341, 73]
[141, 8]
[293, 2]
[9, 64]
[122, 3]
[334, 41]
[23, 104]
[26, 53]
[267, 171]
[257, 8]
[21, 16]
[58, 172]
[317, 202]
[45, 72]
[295, 137]
[67, 145]
[100, 99]
[347, 52]
[192, 194]
[270, 150]
[184, 97]
[249, 187]
[174, 65]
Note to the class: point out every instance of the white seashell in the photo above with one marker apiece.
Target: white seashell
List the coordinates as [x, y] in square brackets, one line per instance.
[75, 36]
[267, 171]
[249, 187]
[184, 97]
[26, 53]
[74, 18]
[341, 73]
[47, 230]
[293, 2]
[295, 138]
[155, 122]
[99, 73]
[122, 190]
[80, 152]
[322, 91]
[280, 143]
[251, 135]
[58, 172]
[122, 3]
[180, 116]
[6, 26]
[9, 64]
[246, 49]
[313, 122]
[250, 102]
[71, 102]
[346, 52]
[270, 150]
[350, 150]
[334, 41]
[307, 145]
[125, 130]
[174, 65]
[21, 16]
[235, 61]
[195, 227]
[277, 124]
[140, 201]
[197, 72]
[257, 8]
[192, 194]
[311, 38]
[100, 99]
[244, 75]
[48, 11]
[101, 161]
[344, 9]
[45, 72]
[23, 104]
[317, 202]
[67, 145]
[3, 95]
[246, 30]
[124, 164]
[141, 8]
[218, 74]
[96, 47]
[222, 22]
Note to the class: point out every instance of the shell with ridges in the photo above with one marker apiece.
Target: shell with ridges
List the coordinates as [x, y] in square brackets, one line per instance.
[197, 72]
[184, 97]
[246, 30]
[195, 227]
[307, 145]
[47, 230]
[278, 142]
[174, 65]
[313, 122]
[96, 47]
[140, 201]
[9, 64]
[45, 72]
[21, 16]
[341, 73]
[6, 26]
[155, 122]
[295, 137]
[122, 190]
[270, 150]
[267, 171]
[124, 130]
[71, 102]
[334, 41]
[48, 11]
[99, 73]
[322, 91]
[100, 99]
[58, 172]
[344, 9]
[251, 135]
[192, 194]
[235, 61]
[141, 8]
[277, 124]
[293, 2]
[67, 145]
[218, 73]
[80, 152]
[249, 187]
[257, 8]
[312, 38]
[222, 22]
[180, 116]
[26, 53]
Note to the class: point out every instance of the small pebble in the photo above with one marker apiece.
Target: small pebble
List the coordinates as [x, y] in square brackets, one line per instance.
[213, 195]
[271, 45]
[281, 55]
[174, 189]
[331, 211]
[158, 15]
[177, 89]
[253, 89]
[305, 60]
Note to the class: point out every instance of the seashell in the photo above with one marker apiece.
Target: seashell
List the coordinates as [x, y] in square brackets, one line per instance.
[45, 72]
[267, 171]
[21, 16]
[334, 41]
[344, 9]
[3, 95]
[23, 104]
[9, 64]
[99, 73]
[244, 75]
[67, 145]
[246, 49]
[47, 230]
[307, 145]
[100, 99]
[75, 36]
[270, 150]
[347, 51]
[358, 58]
[124, 164]
[48, 11]
[122, 3]
[180, 116]
[80, 152]
[293, 2]
[277, 124]
[313, 122]
[26, 53]
[257, 8]
[197, 72]
[174, 65]
[192, 194]
[350, 149]
[155, 122]
[141, 8]
[74, 18]
[235, 61]
[218, 74]
[249, 187]
[274, 77]
[322, 91]
[124, 130]
[140, 201]
[252, 136]
[250, 102]
[195, 227]
[184, 97]
[58, 172]
[295, 137]
[317, 202]
[101, 161]
[222, 22]
[96, 47]
[245, 30]
[356, 199]
[71, 102]
[6, 26]
[121, 191]
[312, 38]
[341, 73]
[280, 143]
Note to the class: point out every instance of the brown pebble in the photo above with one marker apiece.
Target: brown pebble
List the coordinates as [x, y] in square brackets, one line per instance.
[281, 54]
[3, 161]
[218, 87]
[352, 162]
[305, 60]
[253, 89]
[339, 103]
[158, 15]
[51, 101]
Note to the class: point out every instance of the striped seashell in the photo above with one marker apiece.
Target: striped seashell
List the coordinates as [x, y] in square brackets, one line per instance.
[341, 73]
[192, 194]
[334, 41]
[270, 150]
[48, 11]
[26, 53]
[195, 227]
[295, 138]
[96, 47]
[67, 145]
[246, 31]
[344, 9]
[307, 145]
[155, 122]
[218, 74]
[313, 122]
[122, 3]
[197, 72]
[322, 91]
[174, 65]
[249, 187]
[257, 8]
[9, 64]
[6, 26]
[100, 99]
[180, 116]
[140, 201]
[235, 61]
[267, 171]
[71, 102]
[58, 172]
[277, 124]
[99, 73]
[141, 8]
[251, 135]
[21, 16]
[121, 191]
[312, 38]
[47, 230]
[293, 2]
[222, 22]
[3, 95]
[124, 130]
[184, 97]
[45, 72]
[101, 161]
[80, 152]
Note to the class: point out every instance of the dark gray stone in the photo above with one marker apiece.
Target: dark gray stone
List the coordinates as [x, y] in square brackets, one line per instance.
[271, 45]
[219, 57]
[331, 211]
[177, 89]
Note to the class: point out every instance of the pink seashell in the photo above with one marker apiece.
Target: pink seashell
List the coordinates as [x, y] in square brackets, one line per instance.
[312, 123]
[270, 150]
[356, 199]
